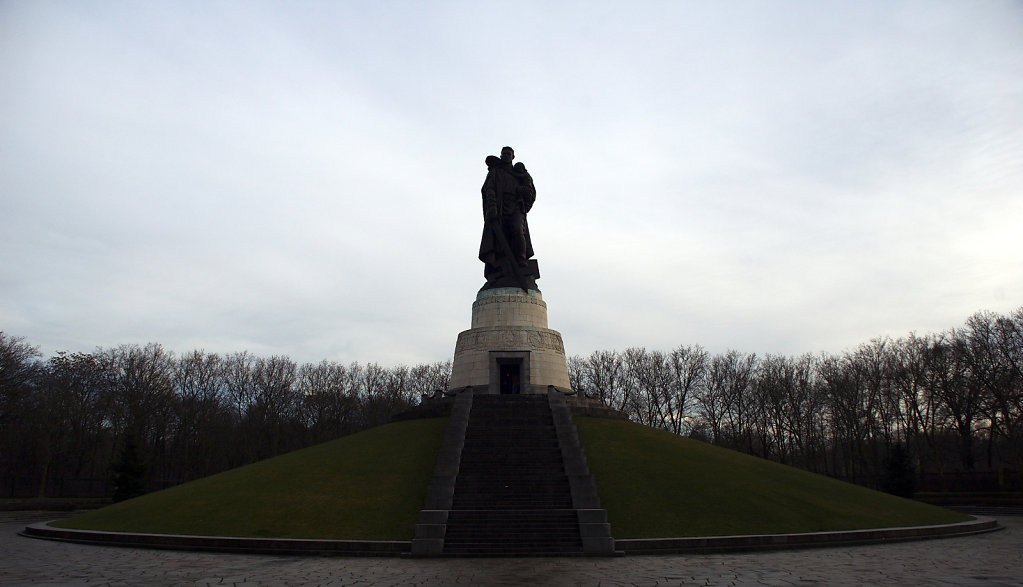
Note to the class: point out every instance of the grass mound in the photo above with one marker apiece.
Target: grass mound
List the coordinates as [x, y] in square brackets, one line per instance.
[371, 485]
[367, 486]
[655, 484]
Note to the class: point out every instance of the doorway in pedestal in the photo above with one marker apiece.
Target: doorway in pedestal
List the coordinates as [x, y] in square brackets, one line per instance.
[511, 379]
[509, 372]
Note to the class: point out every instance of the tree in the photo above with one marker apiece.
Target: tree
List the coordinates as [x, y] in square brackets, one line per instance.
[577, 373]
[22, 418]
[921, 369]
[75, 394]
[993, 350]
[732, 374]
[275, 406]
[330, 400]
[129, 471]
[143, 400]
[647, 377]
[429, 378]
[688, 370]
[899, 477]
[606, 379]
[202, 414]
[714, 401]
[238, 375]
[846, 417]
[872, 364]
[774, 383]
[18, 367]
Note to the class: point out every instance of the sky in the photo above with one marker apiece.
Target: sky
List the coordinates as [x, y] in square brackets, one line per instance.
[302, 178]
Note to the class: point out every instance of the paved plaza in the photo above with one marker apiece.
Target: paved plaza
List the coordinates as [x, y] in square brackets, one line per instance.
[989, 559]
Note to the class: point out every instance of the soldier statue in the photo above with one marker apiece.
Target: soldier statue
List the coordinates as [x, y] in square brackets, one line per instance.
[506, 249]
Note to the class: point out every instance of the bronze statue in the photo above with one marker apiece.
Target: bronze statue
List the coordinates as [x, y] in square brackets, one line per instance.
[506, 249]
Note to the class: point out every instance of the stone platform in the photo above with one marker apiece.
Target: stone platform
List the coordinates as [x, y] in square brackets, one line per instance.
[509, 347]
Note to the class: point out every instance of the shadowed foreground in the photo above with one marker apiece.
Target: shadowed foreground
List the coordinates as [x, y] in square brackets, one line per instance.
[987, 559]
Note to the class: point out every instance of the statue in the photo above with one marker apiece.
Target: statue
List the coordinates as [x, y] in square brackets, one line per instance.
[506, 249]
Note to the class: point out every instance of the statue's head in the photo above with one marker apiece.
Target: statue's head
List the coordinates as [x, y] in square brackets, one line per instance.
[507, 154]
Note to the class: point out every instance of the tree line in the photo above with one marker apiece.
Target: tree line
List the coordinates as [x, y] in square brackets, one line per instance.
[948, 406]
[67, 422]
[942, 407]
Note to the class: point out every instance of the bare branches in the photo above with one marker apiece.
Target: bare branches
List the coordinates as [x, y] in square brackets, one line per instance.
[951, 401]
[189, 416]
[941, 396]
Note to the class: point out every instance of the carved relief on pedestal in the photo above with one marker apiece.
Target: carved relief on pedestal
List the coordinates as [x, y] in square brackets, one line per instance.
[508, 339]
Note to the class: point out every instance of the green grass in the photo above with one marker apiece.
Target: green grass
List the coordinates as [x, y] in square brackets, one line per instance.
[655, 484]
[371, 485]
[367, 486]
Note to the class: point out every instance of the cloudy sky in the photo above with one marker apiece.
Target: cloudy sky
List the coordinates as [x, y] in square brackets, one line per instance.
[302, 178]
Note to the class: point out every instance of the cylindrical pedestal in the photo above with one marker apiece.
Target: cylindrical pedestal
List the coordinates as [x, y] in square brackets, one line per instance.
[509, 348]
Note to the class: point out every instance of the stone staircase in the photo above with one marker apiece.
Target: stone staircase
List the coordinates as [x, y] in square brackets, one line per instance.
[521, 487]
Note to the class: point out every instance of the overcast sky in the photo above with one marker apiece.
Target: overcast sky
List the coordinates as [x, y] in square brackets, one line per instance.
[302, 178]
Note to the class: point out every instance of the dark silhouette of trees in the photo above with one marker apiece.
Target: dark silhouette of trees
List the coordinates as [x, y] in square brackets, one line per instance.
[21, 406]
[135, 418]
[945, 409]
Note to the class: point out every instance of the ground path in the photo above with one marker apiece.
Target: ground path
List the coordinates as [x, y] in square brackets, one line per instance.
[994, 558]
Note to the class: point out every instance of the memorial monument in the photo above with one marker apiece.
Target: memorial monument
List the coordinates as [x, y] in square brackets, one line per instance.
[508, 348]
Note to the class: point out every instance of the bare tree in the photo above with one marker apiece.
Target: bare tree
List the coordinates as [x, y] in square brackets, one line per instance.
[142, 398]
[606, 379]
[427, 378]
[735, 373]
[18, 367]
[22, 418]
[993, 349]
[577, 368]
[330, 400]
[76, 392]
[774, 383]
[920, 368]
[873, 366]
[688, 370]
[847, 421]
[275, 407]
[805, 418]
[714, 404]
[239, 369]
[203, 414]
[646, 381]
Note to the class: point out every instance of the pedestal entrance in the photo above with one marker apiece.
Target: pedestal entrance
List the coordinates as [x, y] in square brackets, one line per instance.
[509, 376]
[509, 348]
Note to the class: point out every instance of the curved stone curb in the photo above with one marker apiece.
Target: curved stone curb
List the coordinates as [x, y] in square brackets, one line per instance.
[638, 546]
[720, 544]
[222, 543]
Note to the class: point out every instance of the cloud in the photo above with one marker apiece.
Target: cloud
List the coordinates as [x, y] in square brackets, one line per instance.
[304, 180]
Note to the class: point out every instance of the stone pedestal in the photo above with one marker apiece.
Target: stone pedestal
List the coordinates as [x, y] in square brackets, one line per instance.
[509, 348]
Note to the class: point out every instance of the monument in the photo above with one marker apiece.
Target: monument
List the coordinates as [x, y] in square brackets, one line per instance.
[508, 348]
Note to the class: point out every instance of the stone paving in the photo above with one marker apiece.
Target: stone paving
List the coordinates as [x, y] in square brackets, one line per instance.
[995, 558]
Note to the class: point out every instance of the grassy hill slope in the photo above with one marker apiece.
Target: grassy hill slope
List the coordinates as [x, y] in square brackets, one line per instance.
[655, 484]
[367, 486]
[371, 485]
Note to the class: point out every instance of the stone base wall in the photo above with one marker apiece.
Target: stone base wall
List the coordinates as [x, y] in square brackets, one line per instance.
[509, 307]
[509, 324]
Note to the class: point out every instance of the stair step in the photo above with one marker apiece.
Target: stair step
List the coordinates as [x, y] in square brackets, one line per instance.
[511, 494]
